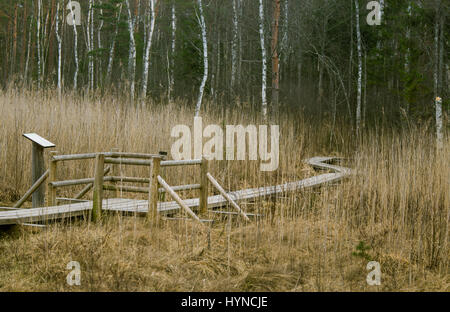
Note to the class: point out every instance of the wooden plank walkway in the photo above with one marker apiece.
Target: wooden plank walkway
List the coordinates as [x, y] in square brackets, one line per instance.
[124, 205]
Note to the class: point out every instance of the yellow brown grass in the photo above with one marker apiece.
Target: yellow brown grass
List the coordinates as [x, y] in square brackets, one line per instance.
[397, 204]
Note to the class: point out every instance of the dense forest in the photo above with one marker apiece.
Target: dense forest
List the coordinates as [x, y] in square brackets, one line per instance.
[321, 55]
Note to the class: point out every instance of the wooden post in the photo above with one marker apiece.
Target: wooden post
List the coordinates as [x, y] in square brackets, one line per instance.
[203, 205]
[37, 166]
[38, 169]
[51, 191]
[153, 190]
[115, 172]
[98, 187]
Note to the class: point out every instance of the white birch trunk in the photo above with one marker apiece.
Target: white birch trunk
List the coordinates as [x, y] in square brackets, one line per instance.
[27, 62]
[100, 46]
[90, 40]
[173, 47]
[112, 49]
[437, 98]
[205, 59]
[234, 46]
[59, 39]
[38, 39]
[147, 50]
[132, 53]
[359, 85]
[75, 40]
[407, 56]
[264, 61]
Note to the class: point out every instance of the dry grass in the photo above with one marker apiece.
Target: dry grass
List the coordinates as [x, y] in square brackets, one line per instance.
[397, 204]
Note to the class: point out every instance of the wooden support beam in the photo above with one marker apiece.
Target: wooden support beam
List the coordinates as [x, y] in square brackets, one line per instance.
[226, 196]
[31, 190]
[179, 200]
[155, 168]
[203, 186]
[98, 187]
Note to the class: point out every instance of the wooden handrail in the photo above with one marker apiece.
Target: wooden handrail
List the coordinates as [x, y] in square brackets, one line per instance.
[136, 189]
[88, 187]
[76, 182]
[107, 154]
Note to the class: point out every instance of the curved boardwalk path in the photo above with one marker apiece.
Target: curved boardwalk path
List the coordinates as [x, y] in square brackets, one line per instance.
[124, 205]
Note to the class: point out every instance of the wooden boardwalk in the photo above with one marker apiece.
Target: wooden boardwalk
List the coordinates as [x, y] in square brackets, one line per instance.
[123, 205]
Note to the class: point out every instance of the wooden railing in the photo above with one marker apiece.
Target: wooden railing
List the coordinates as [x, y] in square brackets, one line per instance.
[156, 184]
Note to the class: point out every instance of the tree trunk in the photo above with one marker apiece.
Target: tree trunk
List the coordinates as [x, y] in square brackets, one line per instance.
[112, 49]
[234, 48]
[275, 58]
[205, 59]
[75, 40]
[100, 46]
[172, 58]
[359, 86]
[264, 61]
[437, 76]
[59, 40]
[147, 50]
[90, 43]
[14, 53]
[132, 53]
[38, 39]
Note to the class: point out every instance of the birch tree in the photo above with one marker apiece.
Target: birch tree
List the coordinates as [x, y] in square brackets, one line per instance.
[202, 23]
[148, 48]
[38, 39]
[275, 58]
[437, 77]
[75, 48]
[59, 40]
[90, 43]
[234, 46]
[113, 47]
[173, 47]
[264, 61]
[100, 45]
[285, 39]
[359, 84]
[132, 52]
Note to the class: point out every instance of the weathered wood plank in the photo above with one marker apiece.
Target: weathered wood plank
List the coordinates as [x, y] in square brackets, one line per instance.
[178, 200]
[227, 197]
[31, 190]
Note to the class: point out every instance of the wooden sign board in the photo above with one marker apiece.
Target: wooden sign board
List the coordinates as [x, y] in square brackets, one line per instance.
[35, 138]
